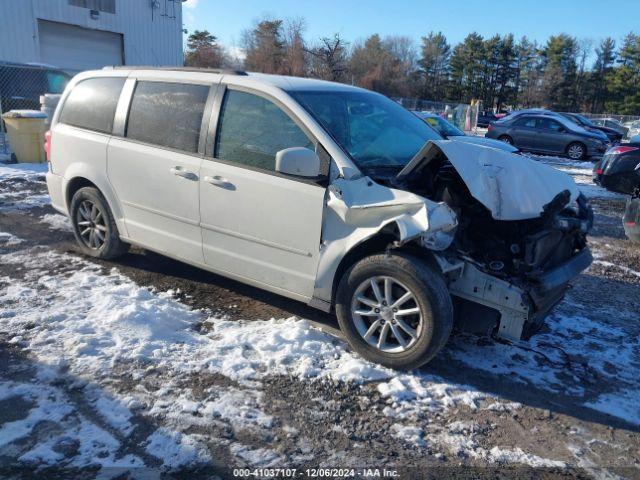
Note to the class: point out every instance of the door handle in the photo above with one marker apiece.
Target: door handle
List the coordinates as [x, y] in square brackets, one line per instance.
[181, 172]
[219, 181]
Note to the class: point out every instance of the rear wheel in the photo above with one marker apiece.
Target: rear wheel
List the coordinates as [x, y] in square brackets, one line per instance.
[394, 310]
[576, 151]
[506, 139]
[93, 225]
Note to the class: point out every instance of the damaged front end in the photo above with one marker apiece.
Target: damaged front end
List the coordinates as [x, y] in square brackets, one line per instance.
[520, 236]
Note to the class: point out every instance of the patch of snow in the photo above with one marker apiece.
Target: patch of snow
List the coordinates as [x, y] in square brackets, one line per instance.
[57, 221]
[516, 455]
[408, 433]
[622, 404]
[409, 394]
[8, 240]
[27, 171]
[175, 449]
[263, 457]
[503, 407]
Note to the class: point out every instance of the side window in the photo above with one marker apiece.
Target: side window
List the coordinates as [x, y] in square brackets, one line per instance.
[253, 129]
[529, 122]
[92, 104]
[167, 114]
[548, 124]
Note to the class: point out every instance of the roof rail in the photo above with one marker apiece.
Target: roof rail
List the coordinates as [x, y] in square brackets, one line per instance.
[222, 71]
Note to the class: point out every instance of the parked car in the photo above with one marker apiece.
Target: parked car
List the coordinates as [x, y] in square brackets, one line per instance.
[322, 192]
[451, 132]
[613, 135]
[21, 85]
[631, 218]
[619, 169]
[485, 117]
[610, 123]
[548, 134]
[633, 128]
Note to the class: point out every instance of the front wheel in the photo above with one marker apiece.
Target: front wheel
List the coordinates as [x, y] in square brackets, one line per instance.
[576, 151]
[506, 139]
[395, 310]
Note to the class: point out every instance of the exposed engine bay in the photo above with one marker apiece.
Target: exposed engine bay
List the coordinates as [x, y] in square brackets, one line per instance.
[516, 268]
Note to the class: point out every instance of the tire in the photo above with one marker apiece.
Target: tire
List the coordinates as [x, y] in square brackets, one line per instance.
[506, 139]
[90, 211]
[431, 326]
[576, 151]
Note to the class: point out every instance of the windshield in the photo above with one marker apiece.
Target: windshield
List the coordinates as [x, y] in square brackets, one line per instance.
[443, 127]
[374, 130]
[584, 120]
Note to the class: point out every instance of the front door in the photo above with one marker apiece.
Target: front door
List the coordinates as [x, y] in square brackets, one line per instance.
[155, 167]
[259, 225]
[551, 136]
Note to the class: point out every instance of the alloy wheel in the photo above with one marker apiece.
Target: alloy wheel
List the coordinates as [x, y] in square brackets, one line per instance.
[91, 225]
[386, 314]
[575, 152]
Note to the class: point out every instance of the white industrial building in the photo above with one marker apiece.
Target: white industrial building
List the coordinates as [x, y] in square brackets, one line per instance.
[79, 35]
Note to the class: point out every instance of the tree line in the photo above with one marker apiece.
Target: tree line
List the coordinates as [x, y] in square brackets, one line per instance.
[564, 73]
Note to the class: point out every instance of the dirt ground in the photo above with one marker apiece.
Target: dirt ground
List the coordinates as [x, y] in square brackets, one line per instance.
[563, 405]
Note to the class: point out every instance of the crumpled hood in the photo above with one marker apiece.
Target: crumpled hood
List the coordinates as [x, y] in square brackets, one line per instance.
[511, 186]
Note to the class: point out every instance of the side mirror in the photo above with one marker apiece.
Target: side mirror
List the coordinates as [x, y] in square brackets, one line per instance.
[298, 161]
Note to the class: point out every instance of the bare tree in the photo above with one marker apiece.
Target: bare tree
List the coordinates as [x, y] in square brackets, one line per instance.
[329, 59]
[295, 57]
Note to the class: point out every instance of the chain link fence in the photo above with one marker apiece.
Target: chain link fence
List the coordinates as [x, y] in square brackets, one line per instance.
[21, 87]
[619, 118]
[462, 115]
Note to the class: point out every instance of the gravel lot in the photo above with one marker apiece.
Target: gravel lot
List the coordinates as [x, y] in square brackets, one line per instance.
[148, 368]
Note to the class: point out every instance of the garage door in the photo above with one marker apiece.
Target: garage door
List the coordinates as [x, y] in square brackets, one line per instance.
[75, 48]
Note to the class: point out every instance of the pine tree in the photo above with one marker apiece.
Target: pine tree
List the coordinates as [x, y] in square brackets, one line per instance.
[434, 65]
[605, 57]
[265, 47]
[560, 68]
[203, 51]
[623, 81]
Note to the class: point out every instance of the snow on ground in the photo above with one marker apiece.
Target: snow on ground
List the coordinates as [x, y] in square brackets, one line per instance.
[6, 239]
[24, 171]
[86, 323]
[57, 221]
[21, 178]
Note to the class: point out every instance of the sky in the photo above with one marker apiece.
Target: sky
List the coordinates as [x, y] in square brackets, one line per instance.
[356, 19]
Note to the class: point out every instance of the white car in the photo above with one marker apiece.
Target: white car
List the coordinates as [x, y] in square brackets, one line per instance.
[325, 193]
[633, 128]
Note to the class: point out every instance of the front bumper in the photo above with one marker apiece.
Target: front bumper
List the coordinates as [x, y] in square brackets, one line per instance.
[521, 308]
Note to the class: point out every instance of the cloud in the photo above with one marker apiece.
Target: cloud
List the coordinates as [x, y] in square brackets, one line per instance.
[191, 4]
[237, 53]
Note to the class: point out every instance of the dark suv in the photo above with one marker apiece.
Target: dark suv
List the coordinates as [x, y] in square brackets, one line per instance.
[22, 84]
[548, 134]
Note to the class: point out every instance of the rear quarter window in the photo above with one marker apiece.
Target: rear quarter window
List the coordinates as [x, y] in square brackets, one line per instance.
[92, 104]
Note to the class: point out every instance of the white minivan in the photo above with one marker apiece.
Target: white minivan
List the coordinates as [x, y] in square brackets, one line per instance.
[322, 192]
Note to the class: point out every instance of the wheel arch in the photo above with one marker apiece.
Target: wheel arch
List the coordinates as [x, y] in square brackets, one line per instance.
[384, 240]
[79, 177]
